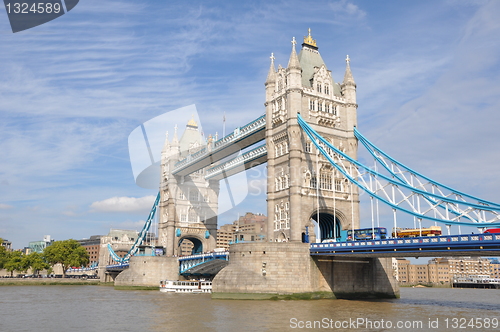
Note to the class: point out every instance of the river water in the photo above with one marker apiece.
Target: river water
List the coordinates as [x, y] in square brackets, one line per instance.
[101, 308]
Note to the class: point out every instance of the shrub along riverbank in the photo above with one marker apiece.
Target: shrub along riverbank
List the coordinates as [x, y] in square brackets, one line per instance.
[50, 281]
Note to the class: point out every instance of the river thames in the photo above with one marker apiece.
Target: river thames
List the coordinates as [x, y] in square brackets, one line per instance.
[102, 308]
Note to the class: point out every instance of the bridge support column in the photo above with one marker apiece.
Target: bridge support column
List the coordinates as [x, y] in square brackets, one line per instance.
[352, 278]
[287, 271]
[148, 271]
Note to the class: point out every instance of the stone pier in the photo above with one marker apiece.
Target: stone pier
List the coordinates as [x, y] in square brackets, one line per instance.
[287, 271]
[148, 271]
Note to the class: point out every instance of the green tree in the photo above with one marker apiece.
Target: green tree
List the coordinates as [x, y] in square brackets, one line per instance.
[36, 261]
[15, 262]
[67, 253]
[3, 254]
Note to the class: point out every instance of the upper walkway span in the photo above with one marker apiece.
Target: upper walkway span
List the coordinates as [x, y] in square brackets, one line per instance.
[238, 140]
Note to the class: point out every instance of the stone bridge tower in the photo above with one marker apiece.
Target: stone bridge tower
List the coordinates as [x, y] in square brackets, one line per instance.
[188, 204]
[303, 188]
[304, 191]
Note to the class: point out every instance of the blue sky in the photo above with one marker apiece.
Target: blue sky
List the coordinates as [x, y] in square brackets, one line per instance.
[72, 90]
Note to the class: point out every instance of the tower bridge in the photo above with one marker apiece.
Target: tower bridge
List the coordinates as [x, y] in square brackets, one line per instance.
[313, 184]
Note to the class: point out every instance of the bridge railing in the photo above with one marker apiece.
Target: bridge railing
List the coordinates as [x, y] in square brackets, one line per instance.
[429, 242]
[202, 256]
[240, 160]
[117, 267]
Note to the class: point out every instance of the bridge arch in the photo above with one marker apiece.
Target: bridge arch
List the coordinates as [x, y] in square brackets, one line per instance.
[328, 224]
[197, 244]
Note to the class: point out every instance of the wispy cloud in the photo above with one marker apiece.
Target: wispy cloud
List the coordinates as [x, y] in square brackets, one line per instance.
[347, 10]
[123, 204]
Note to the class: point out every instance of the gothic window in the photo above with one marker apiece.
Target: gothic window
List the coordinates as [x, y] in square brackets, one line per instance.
[205, 198]
[320, 106]
[338, 185]
[181, 195]
[308, 147]
[313, 181]
[311, 105]
[183, 217]
[327, 89]
[318, 87]
[335, 110]
[277, 184]
[193, 195]
[281, 149]
[286, 147]
[325, 181]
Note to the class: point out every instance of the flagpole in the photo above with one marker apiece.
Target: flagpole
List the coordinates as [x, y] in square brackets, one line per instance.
[224, 125]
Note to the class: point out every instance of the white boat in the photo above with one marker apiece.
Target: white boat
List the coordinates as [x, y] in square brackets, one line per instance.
[188, 286]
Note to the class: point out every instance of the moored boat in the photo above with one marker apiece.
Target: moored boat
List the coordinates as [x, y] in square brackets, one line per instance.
[476, 281]
[186, 286]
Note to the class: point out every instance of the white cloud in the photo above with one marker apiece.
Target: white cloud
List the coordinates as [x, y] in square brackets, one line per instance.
[132, 225]
[345, 7]
[123, 204]
[5, 206]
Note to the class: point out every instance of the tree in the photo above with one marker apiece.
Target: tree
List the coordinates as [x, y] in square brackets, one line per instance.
[15, 262]
[67, 253]
[3, 254]
[36, 261]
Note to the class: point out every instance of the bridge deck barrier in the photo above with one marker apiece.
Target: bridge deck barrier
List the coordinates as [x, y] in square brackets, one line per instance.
[469, 242]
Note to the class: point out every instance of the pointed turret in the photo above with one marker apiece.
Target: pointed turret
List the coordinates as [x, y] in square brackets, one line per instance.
[271, 80]
[175, 140]
[348, 79]
[271, 75]
[349, 93]
[294, 59]
[166, 145]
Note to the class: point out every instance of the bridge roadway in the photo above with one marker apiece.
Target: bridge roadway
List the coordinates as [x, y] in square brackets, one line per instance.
[431, 246]
[239, 139]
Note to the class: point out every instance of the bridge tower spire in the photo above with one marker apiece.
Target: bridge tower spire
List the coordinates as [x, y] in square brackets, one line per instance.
[303, 189]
